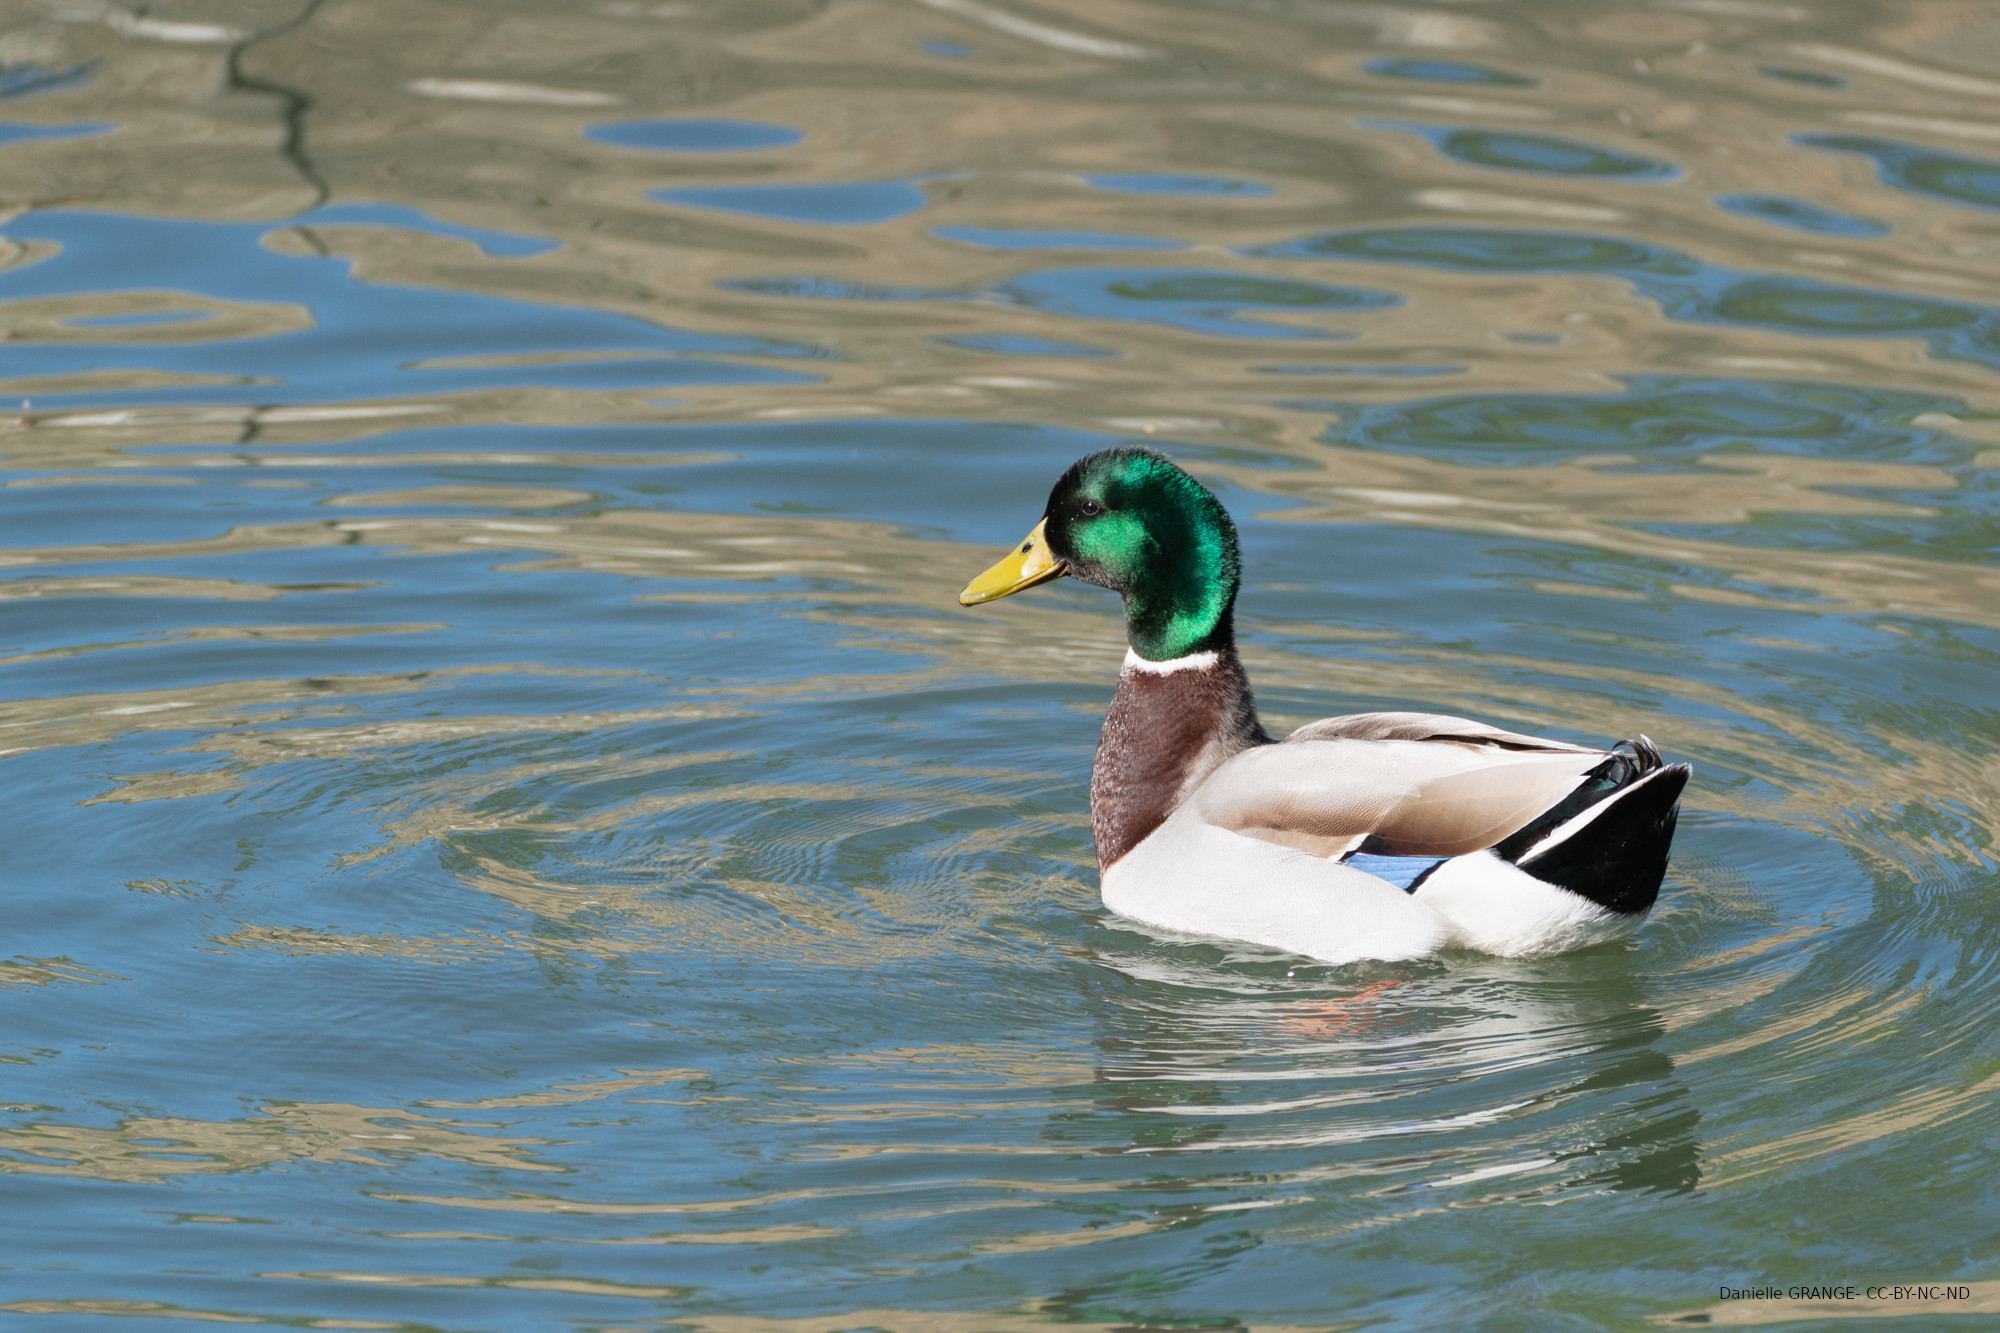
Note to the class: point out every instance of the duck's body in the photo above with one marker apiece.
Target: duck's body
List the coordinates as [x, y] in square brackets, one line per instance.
[1373, 835]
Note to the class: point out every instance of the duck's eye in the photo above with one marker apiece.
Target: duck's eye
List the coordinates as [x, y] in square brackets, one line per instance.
[1091, 509]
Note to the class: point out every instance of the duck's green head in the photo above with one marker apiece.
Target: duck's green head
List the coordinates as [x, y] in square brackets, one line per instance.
[1130, 521]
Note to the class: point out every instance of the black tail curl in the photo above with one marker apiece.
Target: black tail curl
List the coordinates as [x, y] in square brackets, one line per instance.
[1616, 772]
[1618, 858]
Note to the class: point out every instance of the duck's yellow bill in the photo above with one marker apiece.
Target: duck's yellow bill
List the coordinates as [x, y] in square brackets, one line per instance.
[1023, 567]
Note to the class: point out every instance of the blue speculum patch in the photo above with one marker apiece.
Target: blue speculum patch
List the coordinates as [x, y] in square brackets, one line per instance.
[1402, 871]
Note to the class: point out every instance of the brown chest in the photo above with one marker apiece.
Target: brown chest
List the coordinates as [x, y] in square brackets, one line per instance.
[1164, 733]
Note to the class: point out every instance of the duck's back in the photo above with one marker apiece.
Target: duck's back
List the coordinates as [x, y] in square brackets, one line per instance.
[1330, 794]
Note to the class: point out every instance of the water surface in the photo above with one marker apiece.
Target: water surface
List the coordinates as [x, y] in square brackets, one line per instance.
[511, 829]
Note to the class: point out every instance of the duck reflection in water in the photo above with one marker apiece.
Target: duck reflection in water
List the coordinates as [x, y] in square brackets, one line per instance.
[1474, 1082]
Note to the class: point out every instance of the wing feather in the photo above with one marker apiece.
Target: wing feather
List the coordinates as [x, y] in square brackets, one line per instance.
[1427, 727]
[1448, 794]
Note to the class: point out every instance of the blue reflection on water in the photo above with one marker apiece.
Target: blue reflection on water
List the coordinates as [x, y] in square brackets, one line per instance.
[412, 219]
[693, 135]
[1542, 154]
[1446, 71]
[1686, 287]
[832, 289]
[12, 131]
[625, 372]
[1799, 215]
[844, 204]
[1972, 181]
[1679, 424]
[364, 336]
[1198, 300]
[1146, 182]
[25, 78]
[1007, 238]
[1001, 344]
[133, 321]
[1680, 419]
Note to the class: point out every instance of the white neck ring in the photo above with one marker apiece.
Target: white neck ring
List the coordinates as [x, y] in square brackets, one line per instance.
[1192, 662]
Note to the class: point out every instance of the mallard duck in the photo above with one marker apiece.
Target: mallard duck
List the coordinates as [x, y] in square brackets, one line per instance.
[1372, 835]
